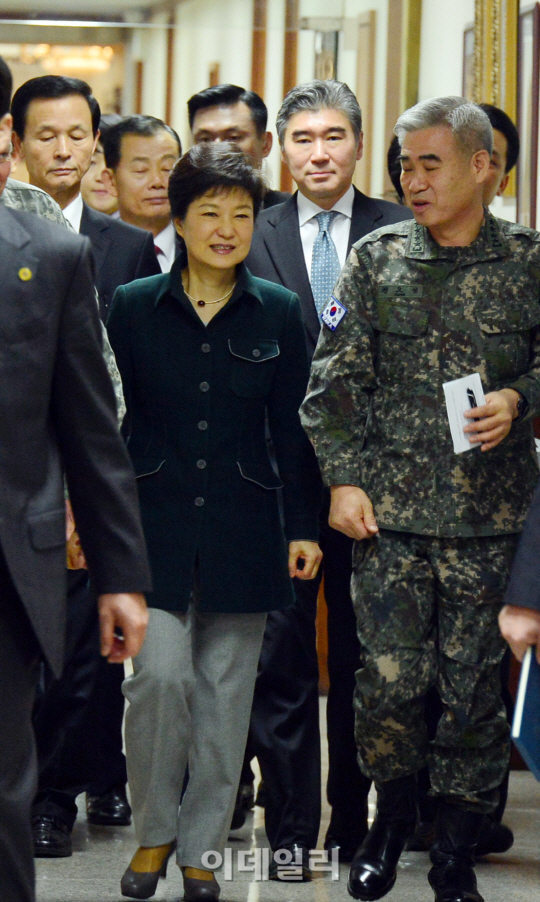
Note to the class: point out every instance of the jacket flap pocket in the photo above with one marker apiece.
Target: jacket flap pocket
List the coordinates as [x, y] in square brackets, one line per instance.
[402, 318]
[260, 474]
[48, 530]
[255, 350]
[511, 319]
[146, 466]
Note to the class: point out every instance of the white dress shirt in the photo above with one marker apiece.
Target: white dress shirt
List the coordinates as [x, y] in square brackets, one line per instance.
[166, 241]
[339, 230]
[73, 212]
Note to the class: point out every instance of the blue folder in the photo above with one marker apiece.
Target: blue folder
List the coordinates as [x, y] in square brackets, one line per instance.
[526, 725]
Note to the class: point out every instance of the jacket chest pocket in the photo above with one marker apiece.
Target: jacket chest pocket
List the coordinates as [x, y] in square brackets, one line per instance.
[402, 327]
[506, 339]
[253, 366]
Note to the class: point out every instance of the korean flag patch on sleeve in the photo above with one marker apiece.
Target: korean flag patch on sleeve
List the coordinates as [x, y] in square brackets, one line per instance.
[333, 313]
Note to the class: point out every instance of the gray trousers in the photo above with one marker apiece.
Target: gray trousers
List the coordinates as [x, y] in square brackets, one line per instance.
[190, 700]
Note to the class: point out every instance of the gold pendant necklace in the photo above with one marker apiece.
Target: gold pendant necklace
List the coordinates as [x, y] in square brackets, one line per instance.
[201, 303]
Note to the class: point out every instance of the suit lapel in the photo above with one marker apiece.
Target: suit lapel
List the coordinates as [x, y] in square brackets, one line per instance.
[19, 268]
[95, 229]
[11, 230]
[284, 232]
[18, 264]
[365, 217]
[281, 237]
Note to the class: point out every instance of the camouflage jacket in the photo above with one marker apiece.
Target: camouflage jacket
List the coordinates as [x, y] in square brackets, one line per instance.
[420, 315]
[30, 199]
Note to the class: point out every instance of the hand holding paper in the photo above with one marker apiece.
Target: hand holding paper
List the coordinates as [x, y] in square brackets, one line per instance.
[476, 419]
[462, 398]
[494, 419]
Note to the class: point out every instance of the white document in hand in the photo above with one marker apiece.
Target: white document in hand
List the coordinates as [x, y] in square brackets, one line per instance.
[461, 395]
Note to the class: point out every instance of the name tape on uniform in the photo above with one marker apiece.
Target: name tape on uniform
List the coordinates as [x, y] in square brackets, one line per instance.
[333, 313]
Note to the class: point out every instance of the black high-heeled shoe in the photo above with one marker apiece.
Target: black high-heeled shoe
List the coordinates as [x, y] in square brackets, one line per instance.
[143, 884]
[196, 890]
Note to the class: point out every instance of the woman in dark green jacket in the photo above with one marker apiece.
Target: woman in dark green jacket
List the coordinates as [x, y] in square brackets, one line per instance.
[208, 354]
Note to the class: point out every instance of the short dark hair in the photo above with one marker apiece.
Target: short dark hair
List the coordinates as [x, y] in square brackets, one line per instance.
[106, 122]
[213, 167]
[51, 87]
[393, 163]
[229, 95]
[6, 86]
[502, 122]
[144, 126]
[319, 95]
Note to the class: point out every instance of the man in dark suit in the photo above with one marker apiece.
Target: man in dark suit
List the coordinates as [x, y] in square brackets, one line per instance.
[519, 620]
[55, 123]
[122, 253]
[58, 409]
[230, 113]
[55, 131]
[302, 244]
[140, 152]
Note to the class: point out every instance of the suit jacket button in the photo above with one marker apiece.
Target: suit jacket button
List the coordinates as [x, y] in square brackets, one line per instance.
[199, 502]
[205, 348]
[201, 464]
[202, 425]
[256, 353]
[204, 386]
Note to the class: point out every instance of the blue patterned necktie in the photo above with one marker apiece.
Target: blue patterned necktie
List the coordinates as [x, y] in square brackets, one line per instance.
[325, 267]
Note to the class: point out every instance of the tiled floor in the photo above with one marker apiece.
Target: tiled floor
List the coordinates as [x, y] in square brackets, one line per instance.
[101, 855]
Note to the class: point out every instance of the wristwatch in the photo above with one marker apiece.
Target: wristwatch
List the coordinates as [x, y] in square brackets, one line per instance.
[521, 406]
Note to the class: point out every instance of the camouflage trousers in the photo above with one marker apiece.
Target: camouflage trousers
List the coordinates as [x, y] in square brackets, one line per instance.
[426, 612]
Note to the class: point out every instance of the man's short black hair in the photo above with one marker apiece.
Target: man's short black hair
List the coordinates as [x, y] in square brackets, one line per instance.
[51, 87]
[213, 168]
[502, 122]
[6, 86]
[144, 126]
[229, 95]
[393, 163]
[106, 122]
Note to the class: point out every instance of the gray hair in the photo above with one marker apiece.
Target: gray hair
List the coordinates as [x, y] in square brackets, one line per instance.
[468, 123]
[320, 95]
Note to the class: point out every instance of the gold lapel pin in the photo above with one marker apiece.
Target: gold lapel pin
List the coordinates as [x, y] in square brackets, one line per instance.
[25, 274]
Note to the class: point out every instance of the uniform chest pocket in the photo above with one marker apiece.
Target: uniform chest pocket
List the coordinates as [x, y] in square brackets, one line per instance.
[401, 329]
[253, 366]
[402, 319]
[506, 340]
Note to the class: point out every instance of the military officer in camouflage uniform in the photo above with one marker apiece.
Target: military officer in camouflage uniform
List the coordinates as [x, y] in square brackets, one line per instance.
[31, 199]
[418, 304]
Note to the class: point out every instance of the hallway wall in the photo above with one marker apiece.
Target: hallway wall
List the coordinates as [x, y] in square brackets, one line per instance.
[349, 10]
[209, 32]
[441, 62]
[441, 54]
[214, 32]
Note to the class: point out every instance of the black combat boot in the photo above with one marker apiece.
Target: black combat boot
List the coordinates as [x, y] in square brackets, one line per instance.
[452, 876]
[374, 866]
